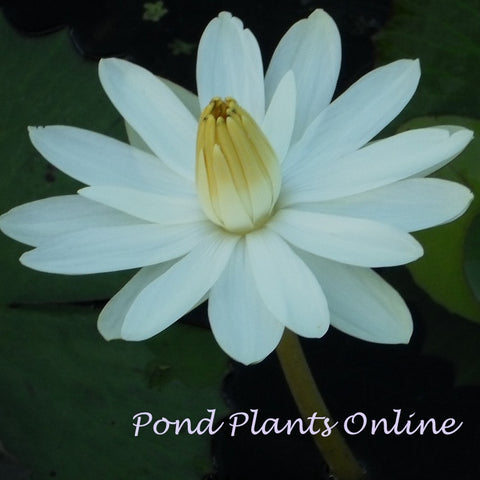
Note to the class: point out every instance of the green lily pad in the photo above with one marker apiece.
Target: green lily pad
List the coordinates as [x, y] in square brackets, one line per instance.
[68, 397]
[440, 272]
[472, 256]
[44, 81]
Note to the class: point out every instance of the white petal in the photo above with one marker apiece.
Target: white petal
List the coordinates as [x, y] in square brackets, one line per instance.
[459, 138]
[241, 323]
[312, 49]
[113, 314]
[379, 163]
[361, 303]
[179, 289]
[286, 285]
[166, 210]
[107, 249]
[153, 111]
[348, 240]
[189, 99]
[229, 64]
[410, 205]
[136, 140]
[355, 117]
[40, 221]
[280, 116]
[96, 159]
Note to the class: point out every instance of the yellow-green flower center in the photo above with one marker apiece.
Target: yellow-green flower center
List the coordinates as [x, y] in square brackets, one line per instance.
[237, 171]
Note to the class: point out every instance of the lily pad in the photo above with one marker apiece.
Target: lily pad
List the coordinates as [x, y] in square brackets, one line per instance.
[472, 256]
[68, 397]
[45, 82]
[440, 271]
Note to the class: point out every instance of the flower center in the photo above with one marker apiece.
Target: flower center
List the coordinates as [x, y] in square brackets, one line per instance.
[237, 171]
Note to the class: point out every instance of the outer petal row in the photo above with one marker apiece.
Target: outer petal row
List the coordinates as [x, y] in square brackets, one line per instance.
[348, 240]
[153, 111]
[355, 117]
[107, 249]
[410, 205]
[361, 303]
[380, 163]
[38, 222]
[112, 316]
[96, 159]
[286, 286]
[157, 297]
[241, 323]
[151, 207]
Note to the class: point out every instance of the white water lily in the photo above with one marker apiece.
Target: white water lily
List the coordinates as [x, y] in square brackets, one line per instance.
[259, 194]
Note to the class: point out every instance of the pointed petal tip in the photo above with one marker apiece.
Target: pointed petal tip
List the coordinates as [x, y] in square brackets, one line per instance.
[108, 331]
[229, 17]
[469, 196]
[248, 360]
[108, 336]
[25, 260]
[397, 332]
[400, 337]
[39, 132]
[412, 65]
[104, 64]
[407, 335]
[458, 138]
[35, 131]
[224, 15]
[248, 356]
[317, 12]
[409, 66]
[108, 62]
[4, 223]
[404, 331]
[462, 134]
[320, 15]
[403, 335]
[417, 251]
[111, 328]
[322, 328]
[416, 67]
[108, 67]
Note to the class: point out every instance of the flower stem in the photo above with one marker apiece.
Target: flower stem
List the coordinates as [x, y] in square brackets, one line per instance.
[333, 448]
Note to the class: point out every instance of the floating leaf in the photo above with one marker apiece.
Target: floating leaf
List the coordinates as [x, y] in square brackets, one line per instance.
[472, 256]
[45, 82]
[68, 397]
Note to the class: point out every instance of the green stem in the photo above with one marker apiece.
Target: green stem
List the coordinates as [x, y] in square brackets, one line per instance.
[333, 448]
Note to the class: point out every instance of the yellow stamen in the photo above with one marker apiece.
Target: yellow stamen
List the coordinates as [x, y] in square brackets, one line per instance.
[237, 171]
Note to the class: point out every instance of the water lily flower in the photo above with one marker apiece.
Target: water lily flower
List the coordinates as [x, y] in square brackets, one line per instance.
[260, 195]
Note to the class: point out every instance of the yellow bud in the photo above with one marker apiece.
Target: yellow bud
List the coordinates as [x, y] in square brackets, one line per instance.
[237, 171]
